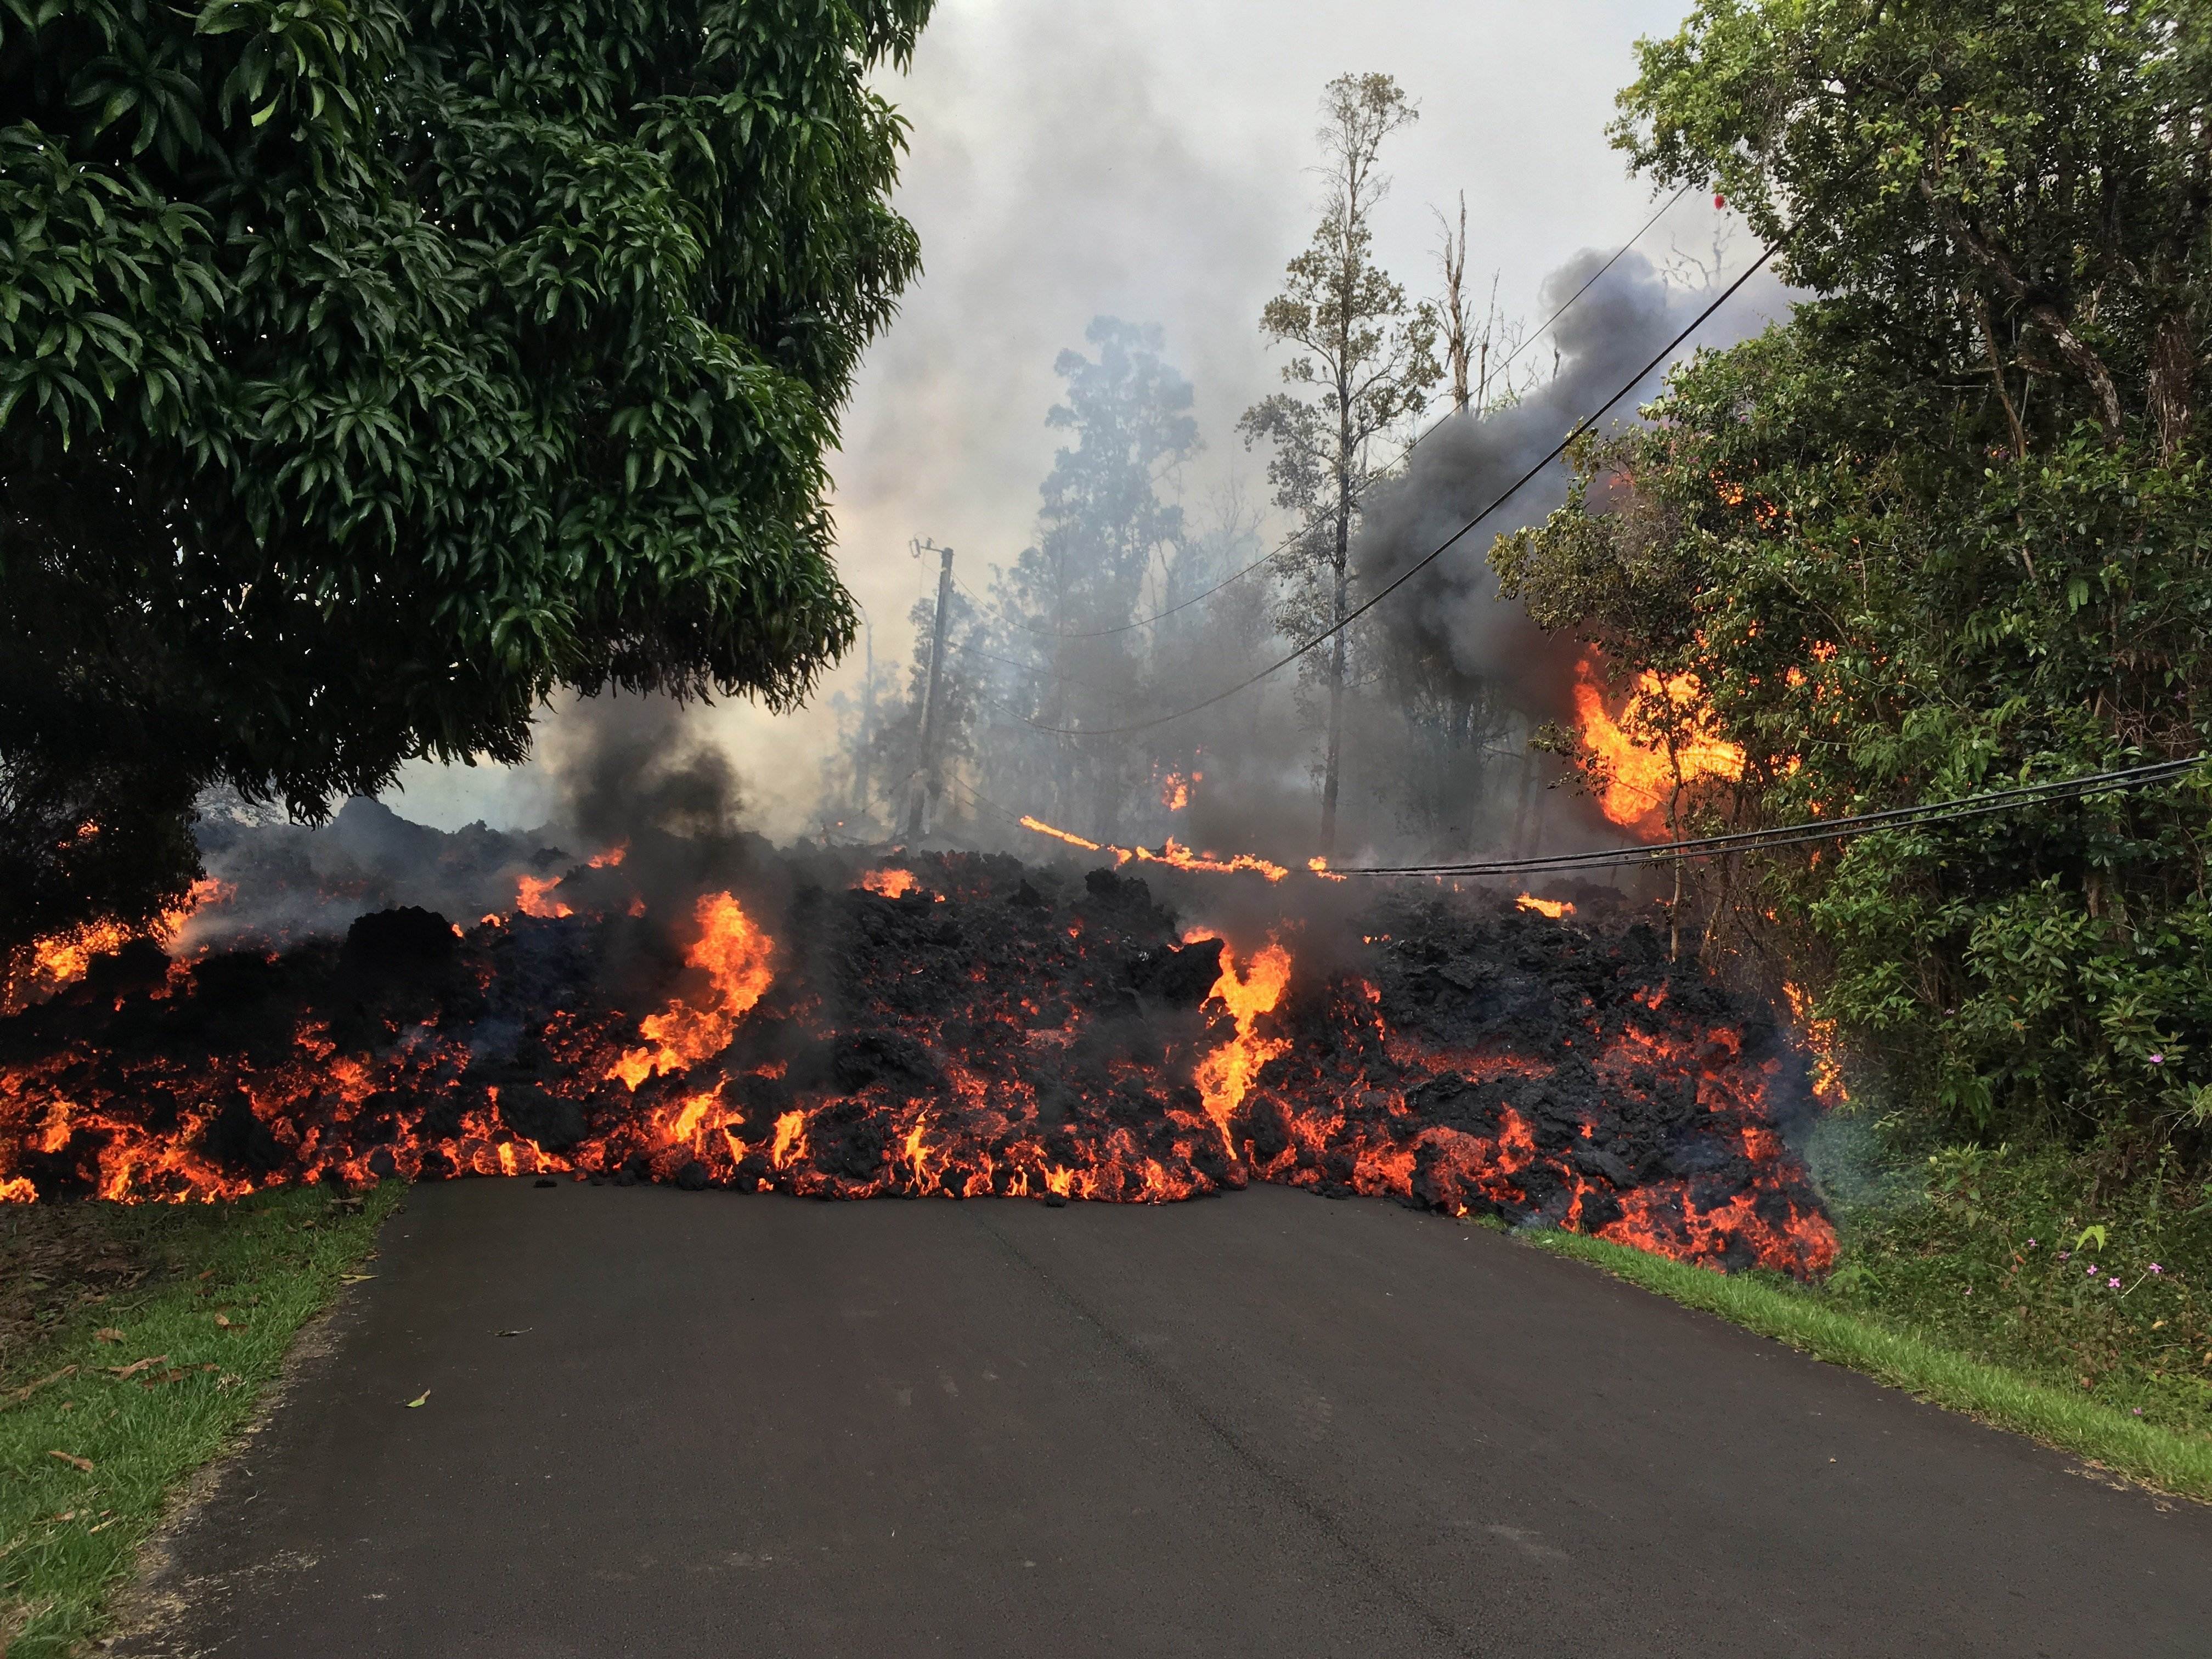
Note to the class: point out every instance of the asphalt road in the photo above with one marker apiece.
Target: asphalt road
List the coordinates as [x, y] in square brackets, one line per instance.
[1265, 1424]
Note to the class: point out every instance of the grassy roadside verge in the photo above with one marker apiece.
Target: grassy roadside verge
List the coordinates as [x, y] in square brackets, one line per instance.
[2121, 1442]
[103, 1415]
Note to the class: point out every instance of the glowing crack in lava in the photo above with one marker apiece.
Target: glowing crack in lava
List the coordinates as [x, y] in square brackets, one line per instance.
[736, 956]
[1224, 1076]
[891, 883]
[1554, 908]
[1638, 781]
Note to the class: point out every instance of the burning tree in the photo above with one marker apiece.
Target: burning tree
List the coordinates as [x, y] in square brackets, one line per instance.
[1945, 530]
[367, 372]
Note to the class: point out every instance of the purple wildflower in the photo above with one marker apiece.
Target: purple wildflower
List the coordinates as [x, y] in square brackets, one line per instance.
[2112, 1283]
[2158, 1059]
[2066, 1255]
[2139, 1411]
[2155, 1268]
[2030, 1243]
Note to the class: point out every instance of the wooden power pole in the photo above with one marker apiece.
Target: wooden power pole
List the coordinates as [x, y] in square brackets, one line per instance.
[925, 772]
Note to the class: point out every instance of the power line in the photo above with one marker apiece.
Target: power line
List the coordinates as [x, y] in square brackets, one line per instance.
[1926, 814]
[1443, 547]
[1284, 546]
[1795, 835]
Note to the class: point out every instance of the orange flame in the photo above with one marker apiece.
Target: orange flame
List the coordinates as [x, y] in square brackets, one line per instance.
[611, 859]
[735, 955]
[1176, 788]
[1044, 828]
[1179, 857]
[531, 898]
[1224, 1076]
[1320, 867]
[1640, 780]
[1821, 1042]
[1552, 907]
[891, 883]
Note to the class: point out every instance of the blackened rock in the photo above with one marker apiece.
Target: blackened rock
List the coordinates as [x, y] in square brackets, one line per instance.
[240, 1141]
[693, 1177]
[1027, 898]
[406, 939]
[887, 1057]
[139, 967]
[1458, 1102]
[545, 1180]
[1599, 1211]
[1179, 978]
[1603, 1165]
[554, 1122]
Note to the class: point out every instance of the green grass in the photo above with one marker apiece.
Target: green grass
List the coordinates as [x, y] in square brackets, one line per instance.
[230, 1287]
[1820, 1323]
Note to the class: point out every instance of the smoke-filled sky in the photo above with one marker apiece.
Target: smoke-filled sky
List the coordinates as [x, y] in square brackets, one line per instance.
[1152, 160]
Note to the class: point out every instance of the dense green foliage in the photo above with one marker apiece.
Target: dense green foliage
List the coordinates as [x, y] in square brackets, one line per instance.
[370, 368]
[1946, 529]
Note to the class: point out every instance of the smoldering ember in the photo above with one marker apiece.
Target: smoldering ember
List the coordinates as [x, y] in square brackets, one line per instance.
[822, 1022]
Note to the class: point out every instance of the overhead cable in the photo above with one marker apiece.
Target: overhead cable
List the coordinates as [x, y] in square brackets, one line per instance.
[1797, 835]
[1441, 548]
[1284, 546]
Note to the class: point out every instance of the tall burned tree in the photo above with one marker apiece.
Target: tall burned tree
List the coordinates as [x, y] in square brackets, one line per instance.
[1364, 359]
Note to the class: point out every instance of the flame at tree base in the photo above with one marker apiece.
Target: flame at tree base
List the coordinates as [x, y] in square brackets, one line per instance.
[1008, 1033]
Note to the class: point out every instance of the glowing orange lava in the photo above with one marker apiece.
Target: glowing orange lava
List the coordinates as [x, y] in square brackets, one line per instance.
[1044, 828]
[532, 898]
[891, 883]
[736, 956]
[1554, 908]
[1639, 781]
[1822, 1044]
[1224, 1076]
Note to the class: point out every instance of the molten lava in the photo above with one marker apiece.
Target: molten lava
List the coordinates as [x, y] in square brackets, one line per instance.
[891, 883]
[1036, 1034]
[1554, 908]
[1224, 1075]
[533, 898]
[735, 956]
[1640, 780]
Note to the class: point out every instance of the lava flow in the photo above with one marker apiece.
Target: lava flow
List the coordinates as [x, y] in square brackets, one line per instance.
[980, 1028]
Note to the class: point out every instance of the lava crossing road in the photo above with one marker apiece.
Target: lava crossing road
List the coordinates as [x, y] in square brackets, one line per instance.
[1261, 1425]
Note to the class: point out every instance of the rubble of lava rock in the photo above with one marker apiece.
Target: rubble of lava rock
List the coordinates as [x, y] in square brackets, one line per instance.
[956, 1025]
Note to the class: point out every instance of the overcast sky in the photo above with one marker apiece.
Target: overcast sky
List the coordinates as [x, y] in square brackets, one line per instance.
[1152, 160]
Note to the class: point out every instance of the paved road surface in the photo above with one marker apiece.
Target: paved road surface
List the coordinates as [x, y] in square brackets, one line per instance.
[1265, 1424]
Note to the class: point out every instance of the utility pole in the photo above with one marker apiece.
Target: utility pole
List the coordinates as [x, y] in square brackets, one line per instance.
[925, 777]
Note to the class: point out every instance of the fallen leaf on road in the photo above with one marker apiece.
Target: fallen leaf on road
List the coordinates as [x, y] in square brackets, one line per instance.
[418, 1400]
[223, 1319]
[138, 1365]
[355, 1279]
[107, 1334]
[526, 1328]
[73, 1461]
[29, 1388]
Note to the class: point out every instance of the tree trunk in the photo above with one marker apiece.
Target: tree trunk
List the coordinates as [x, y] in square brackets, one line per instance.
[1341, 591]
[2172, 377]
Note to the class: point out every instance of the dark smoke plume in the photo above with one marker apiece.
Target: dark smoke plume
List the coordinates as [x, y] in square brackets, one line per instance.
[1450, 612]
